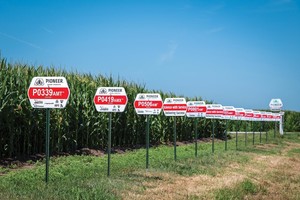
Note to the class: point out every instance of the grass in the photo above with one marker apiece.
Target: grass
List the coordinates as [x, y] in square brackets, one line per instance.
[239, 191]
[84, 177]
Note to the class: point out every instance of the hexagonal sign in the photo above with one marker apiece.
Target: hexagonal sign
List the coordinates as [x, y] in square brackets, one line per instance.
[48, 92]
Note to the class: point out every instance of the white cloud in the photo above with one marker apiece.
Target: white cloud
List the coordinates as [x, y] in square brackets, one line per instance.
[20, 41]
[168, 56]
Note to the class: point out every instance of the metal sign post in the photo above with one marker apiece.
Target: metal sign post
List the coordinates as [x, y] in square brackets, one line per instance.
[48, 92]
[196, 109]
[147, 141]
[109, 144]
[148, 104]
[213, 136]
[260, 132]
[253, 137]
[196, 138]
[175, 156]
[175, 107]
[47, 143]
[225, 135]
[110, 99]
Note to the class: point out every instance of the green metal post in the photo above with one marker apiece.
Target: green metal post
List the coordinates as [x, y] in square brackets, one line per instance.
[252, 133]
[226, 135]
[196, 138]
[147, 142]
[175, 156]
[246, 134]
[260, 133]
[47, 143]
[109, 145]
[266, 136]
[274, 129]
[213, 136]
[236, 136]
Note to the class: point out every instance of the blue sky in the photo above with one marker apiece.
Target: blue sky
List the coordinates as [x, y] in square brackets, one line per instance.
[239, 53]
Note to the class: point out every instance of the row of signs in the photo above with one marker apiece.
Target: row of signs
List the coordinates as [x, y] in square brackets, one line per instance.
[53, 92]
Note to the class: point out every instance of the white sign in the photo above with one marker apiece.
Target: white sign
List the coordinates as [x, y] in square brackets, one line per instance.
[249, 115]
[110, 99]
[229, 112]
[148, 104]
[256, 115]
[240, 113]
[275, 104]
[174, 107]
[196, 109]
[214, 111]
[48, 92]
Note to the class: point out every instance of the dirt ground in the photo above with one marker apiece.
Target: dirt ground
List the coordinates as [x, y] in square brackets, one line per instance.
[279, 175]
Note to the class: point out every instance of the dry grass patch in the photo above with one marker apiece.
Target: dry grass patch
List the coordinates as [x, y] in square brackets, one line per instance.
[274, 176]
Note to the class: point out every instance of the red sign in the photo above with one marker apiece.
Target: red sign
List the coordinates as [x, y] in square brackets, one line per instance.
[214, 111]
[240, 113]
[196, 109]
[48, 92]
[174, 107]
[256, 115]
[148, 104]
[110, 99]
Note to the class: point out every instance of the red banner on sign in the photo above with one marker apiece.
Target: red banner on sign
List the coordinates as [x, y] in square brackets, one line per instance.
[172, 107]
[110, 99]
[48, 93]
[148, 104]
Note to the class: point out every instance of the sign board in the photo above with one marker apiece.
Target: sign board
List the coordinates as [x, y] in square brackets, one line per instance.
[256, 115]
[240, 113]
[214, 111]
[196, 109]
[174, 107]
[48, 92]
[110, 99]
[275, 104]
[148, 104]
[264, 116]
[229, 112]
[249, 115]
[276, 117]
[269, 116]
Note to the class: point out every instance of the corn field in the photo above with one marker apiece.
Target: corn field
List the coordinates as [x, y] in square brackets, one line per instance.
[79, 125]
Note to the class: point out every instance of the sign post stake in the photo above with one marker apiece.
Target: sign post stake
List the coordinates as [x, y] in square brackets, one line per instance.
[246, 134]
[196, 138]
[48, 92]
[274, 129]
[175, 107]
[260, 133]
[110, 99]
[175, 156]
[252, 133]
[47, 143]
[147, 141]
[266, 136]
[226, 135]
[148, 104]
[196, 109]
[109, 144]
[236, 136]
[213, 136]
